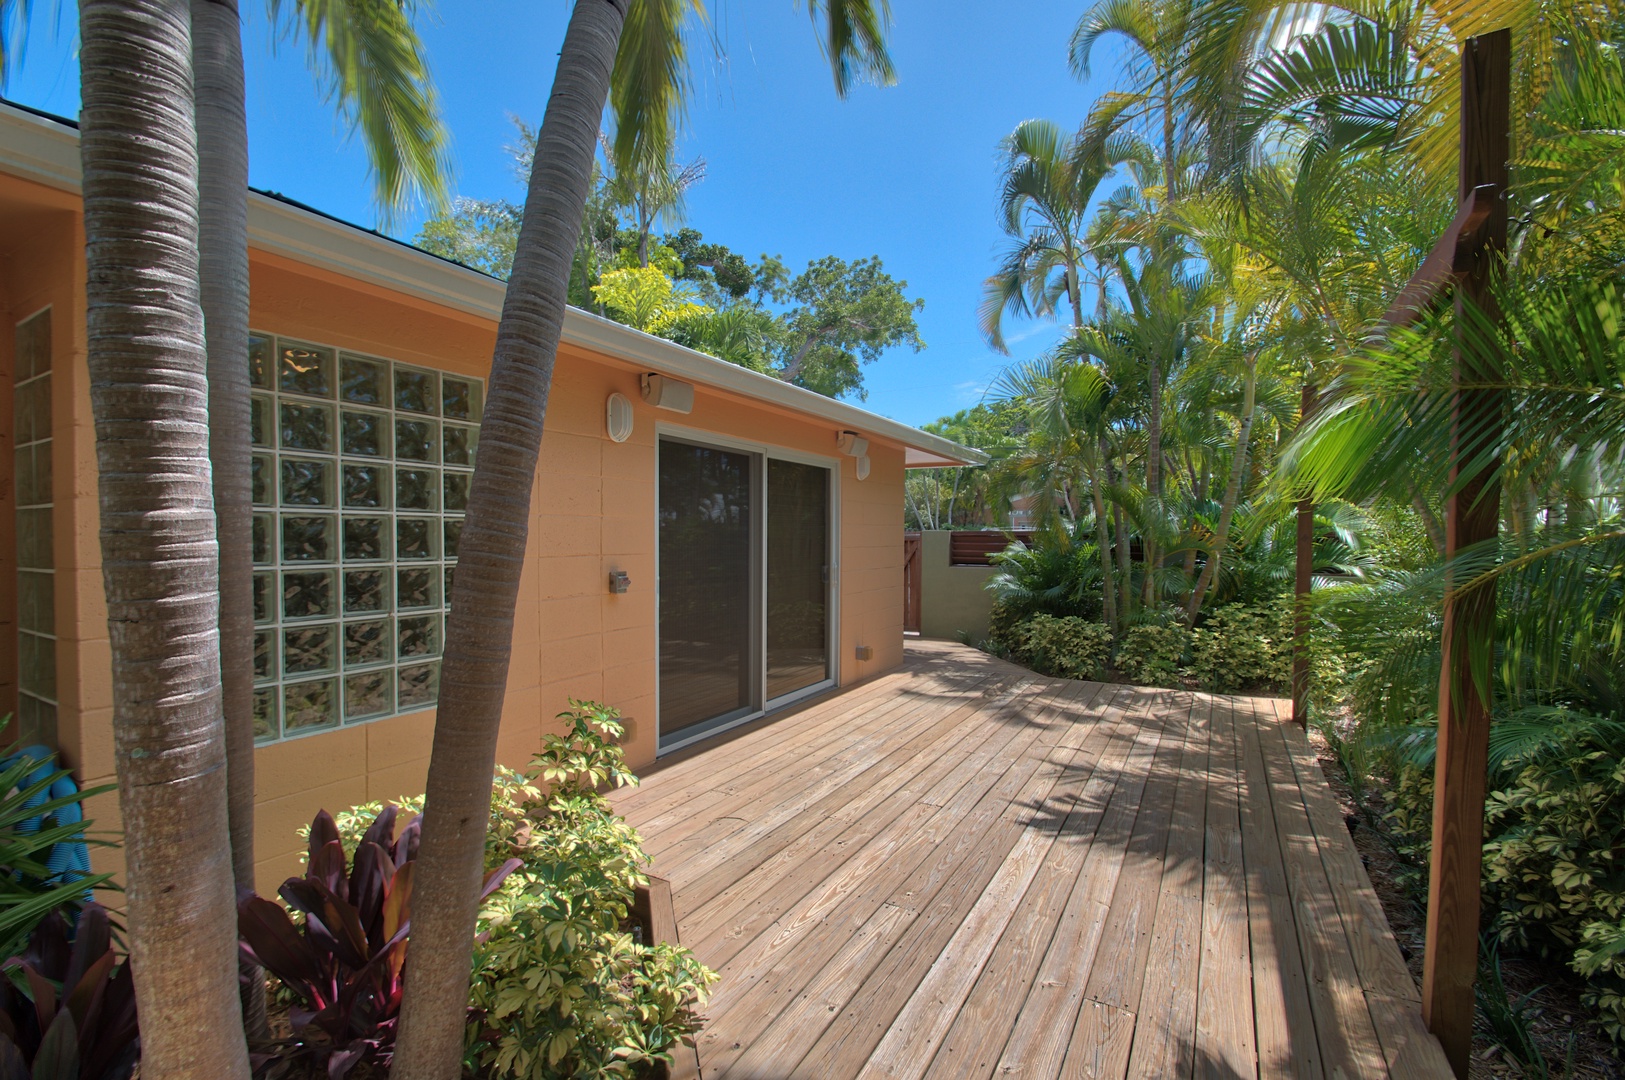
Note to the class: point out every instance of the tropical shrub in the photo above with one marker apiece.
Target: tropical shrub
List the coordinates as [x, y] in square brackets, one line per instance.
[1153, 653]
[562, 987]
[1243, 646]
[39, 810]
[1553, 881]
[1002, 621]
[1067, 645]
[343, 960]
[72, 1015]
[1058, 575]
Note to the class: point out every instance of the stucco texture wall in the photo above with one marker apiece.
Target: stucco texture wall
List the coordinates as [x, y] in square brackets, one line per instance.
[954, 602]
[593, 511]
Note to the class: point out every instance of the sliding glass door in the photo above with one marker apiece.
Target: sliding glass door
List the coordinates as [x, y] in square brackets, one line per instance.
[797, 576]
[745, 619]
[707, 618]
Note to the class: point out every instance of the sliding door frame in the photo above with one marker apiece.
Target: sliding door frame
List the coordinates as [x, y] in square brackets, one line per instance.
[761, 454]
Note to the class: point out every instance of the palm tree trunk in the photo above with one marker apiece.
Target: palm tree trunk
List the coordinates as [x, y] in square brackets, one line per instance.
[222, 147]
[1108, 594]
[479, 633]
[1125, 606]
[149, 397]
[1232, 494]
[1153, 477]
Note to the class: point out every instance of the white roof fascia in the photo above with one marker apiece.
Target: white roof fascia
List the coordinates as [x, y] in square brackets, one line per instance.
[47, 152]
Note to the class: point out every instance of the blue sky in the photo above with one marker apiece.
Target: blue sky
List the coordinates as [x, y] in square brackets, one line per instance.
[906, 172]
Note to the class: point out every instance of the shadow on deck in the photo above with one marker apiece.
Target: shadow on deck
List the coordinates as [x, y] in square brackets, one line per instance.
[966, 869]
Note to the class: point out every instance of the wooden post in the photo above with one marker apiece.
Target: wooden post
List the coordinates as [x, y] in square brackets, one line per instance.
[1472, 516]
[1305, 558]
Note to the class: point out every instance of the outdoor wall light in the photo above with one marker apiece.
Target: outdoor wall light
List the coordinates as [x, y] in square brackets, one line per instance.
[862, 467]
[852, 444]
[667, 393]
[618, 417]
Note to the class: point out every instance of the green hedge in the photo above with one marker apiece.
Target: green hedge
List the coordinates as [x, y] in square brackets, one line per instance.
[1064, 645]
[1154, 655]
[1244, 647]
[1237, 647]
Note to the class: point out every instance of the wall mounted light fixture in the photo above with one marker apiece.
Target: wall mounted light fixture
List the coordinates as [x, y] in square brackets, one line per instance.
[618, 417]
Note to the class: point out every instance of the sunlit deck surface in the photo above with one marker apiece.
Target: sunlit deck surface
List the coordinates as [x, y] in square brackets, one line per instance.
[964, 869]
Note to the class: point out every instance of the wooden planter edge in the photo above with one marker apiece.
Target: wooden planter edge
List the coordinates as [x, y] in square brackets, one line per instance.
[653, 903]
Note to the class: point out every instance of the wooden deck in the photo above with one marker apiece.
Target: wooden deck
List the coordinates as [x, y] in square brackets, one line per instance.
[964, 869]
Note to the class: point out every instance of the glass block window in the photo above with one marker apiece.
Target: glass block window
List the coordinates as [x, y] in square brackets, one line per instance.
[360, 478]
[36, 563]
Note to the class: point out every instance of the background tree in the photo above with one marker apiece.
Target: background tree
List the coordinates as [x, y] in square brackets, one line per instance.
[842, 315]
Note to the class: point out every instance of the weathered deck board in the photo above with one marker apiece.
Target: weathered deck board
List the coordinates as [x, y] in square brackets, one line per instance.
[966, 870]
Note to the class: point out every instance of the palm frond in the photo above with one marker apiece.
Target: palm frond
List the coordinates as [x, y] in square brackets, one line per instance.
[368, 55]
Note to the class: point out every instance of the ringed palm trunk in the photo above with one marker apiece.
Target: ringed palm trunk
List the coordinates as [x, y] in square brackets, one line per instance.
[1153, 477]
[1108, 591]
[150, 401]
[222, 141]
[1232, 494]
[479, 633]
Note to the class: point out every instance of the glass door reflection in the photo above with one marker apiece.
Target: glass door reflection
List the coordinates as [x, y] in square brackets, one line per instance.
[707, 597]
[797, 576]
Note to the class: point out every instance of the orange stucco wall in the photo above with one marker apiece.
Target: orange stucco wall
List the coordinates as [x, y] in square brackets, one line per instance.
[593, 511]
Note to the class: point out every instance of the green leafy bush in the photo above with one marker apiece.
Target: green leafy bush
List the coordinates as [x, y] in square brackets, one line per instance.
[1554, 882]
[1002, 622]
[1552, 867]
[561, 985]
[1066, 646]
[1244, 646]
[1153, 654]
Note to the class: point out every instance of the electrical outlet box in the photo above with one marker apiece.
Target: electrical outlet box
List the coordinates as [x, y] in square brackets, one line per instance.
[866, 652]
[619, 581]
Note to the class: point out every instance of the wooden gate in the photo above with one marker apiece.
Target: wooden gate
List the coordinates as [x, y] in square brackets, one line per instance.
[911, 582]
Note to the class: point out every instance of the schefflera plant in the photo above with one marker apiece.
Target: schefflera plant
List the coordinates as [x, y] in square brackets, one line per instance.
[561, 985]
[344, 959]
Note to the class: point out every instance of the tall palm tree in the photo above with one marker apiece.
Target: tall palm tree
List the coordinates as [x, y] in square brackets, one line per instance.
[1066, 400]
[633, 52]
[375, 65]
[655, 191]
[1049, 180]
[1160, 33]
[149, 396]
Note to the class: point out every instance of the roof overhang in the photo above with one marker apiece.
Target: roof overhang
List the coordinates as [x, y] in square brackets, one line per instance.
[46, 150]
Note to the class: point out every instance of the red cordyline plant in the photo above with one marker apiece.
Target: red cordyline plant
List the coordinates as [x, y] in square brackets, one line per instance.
[346, 962]
[76, 1019]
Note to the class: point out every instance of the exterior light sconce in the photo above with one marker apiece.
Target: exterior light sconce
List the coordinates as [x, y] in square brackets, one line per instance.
[855, 446]
[667, 393]
[618, 417]
[619, 581]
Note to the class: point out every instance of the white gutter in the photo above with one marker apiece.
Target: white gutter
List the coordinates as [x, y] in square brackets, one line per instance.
[47, 151]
